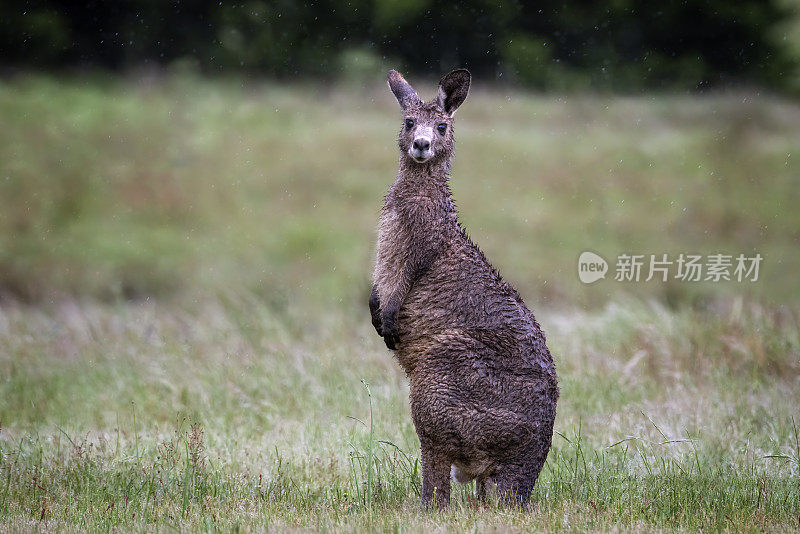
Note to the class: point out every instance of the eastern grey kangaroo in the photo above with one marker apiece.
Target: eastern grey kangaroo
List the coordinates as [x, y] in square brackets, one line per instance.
[483, 383]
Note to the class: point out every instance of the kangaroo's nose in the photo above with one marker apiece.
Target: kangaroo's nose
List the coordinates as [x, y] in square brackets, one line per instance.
[420, 143]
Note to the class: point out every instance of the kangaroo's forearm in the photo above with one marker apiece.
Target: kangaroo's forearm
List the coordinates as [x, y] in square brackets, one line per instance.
[395, 281]
[393, 298]
[391, 291]
[375, 308]
[405, 251]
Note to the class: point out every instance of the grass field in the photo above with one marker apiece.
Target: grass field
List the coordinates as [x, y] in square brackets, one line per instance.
[184, 337]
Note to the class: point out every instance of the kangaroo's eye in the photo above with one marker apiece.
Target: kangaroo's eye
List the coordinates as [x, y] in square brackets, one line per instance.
[409, 123]
[442, 127]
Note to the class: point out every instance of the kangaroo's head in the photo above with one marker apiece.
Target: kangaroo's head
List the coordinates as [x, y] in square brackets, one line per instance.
[427, 132]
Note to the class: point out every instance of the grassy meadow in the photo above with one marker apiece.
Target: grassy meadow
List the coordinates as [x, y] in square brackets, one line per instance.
[185, 340]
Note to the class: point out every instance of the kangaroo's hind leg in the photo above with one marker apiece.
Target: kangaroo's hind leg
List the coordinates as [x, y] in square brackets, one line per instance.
[515, 481]
[480, 486]
[514, 485]
[435, 478]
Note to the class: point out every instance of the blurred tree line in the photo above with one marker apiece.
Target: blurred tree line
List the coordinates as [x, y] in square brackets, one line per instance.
[614, 44]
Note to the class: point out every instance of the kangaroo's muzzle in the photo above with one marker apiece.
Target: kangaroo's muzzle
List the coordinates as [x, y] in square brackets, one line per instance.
[421, 149]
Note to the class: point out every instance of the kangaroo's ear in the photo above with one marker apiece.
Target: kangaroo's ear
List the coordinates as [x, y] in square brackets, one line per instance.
[402, 90]
[453, 89]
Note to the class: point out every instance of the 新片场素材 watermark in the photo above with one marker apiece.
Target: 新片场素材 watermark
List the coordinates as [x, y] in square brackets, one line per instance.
[662, 267]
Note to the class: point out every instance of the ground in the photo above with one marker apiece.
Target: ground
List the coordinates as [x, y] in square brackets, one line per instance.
[185, 339]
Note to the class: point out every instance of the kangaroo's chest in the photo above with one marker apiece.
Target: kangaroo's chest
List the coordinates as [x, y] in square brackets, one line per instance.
[393, 239]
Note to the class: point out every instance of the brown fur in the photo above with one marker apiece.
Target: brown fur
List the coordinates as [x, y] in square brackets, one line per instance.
[483, 383]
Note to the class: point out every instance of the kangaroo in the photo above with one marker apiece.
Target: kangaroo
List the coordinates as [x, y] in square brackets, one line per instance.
[483, 385]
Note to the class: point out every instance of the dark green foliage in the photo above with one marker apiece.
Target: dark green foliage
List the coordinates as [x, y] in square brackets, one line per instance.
[619, 45]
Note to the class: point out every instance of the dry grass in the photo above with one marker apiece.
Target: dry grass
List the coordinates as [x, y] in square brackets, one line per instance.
[222, 415]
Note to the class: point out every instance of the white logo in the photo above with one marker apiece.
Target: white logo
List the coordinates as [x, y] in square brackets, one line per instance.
[591, 267]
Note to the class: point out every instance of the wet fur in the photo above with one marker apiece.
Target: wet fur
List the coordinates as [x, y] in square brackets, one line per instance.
[483, 383]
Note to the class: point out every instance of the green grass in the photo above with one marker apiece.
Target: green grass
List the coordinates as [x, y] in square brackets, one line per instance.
[147, 414]
[117, 189]
[184, 339]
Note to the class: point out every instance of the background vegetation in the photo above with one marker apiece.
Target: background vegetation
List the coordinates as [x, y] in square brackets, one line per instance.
[113, 189]
[623, 45]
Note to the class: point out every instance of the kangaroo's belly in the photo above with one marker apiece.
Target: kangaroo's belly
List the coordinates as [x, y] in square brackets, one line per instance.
[445, 299]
